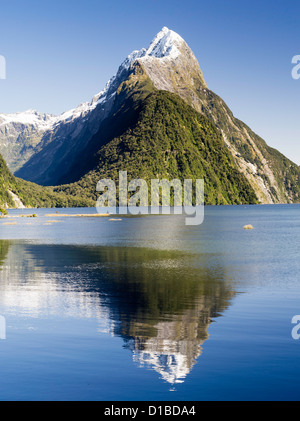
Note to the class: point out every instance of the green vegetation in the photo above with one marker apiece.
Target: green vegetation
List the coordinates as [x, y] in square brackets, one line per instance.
[35, 196]
[32, 195]
[3, 211]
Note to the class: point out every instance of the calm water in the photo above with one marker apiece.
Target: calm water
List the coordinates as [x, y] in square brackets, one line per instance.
[147, 308]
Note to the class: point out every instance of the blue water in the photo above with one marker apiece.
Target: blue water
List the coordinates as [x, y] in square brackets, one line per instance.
[147, 308]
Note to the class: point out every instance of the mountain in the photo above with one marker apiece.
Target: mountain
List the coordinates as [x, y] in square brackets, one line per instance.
[77, 146]
[166, 139]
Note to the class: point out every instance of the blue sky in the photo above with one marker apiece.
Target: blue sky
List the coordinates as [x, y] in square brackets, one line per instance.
[61, 53]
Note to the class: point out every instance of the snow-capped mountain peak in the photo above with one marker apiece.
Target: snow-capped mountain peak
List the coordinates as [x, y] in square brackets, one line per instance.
[164, 44]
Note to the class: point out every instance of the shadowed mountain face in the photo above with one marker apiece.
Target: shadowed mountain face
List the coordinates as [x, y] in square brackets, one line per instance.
[160, 302]
[70, 147]
[18, 193]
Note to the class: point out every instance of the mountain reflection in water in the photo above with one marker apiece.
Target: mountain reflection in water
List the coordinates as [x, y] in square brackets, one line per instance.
[160, 302]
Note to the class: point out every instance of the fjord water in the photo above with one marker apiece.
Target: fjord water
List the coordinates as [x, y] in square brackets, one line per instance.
[147, 308]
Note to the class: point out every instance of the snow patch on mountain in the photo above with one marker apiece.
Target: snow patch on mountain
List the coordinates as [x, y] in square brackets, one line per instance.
[29, 117]
[165, 44]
